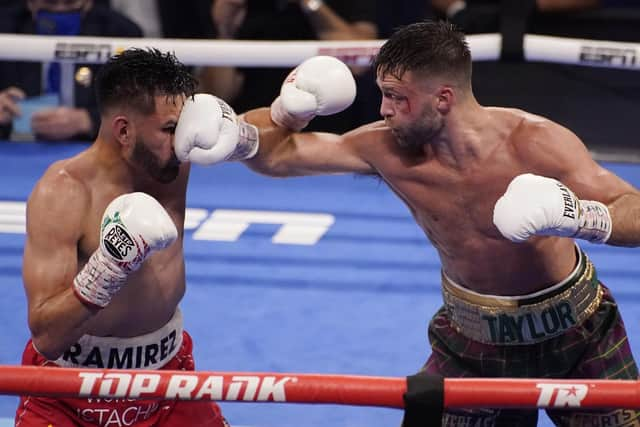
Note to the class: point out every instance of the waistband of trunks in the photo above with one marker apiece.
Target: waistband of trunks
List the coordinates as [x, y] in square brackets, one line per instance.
[149, 351]
[524, 319]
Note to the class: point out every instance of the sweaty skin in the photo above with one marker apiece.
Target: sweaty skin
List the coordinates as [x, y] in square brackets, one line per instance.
[63, 224]
[452, 182]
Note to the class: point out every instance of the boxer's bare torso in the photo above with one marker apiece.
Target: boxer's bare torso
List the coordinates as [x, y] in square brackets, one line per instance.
[64, 214]
[452, 197]
[451, 186]
[157, 287]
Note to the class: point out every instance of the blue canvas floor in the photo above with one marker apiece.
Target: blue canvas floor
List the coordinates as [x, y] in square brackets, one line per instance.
[355, 302]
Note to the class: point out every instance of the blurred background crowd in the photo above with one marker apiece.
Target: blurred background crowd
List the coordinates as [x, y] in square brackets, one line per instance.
[599, 104]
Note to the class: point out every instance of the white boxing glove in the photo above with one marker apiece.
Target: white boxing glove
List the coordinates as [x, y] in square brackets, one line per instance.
[320, 86]
[536, 205]
[133, 226]
[209, 132]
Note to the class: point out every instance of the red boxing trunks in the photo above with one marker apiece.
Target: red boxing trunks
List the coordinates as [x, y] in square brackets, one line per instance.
[169, 348]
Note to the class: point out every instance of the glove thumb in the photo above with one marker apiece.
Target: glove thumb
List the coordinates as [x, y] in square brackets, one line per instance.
[218, 153]
[299, 103]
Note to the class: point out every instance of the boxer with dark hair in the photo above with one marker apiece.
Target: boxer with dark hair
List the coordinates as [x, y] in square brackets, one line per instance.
[502, 194]
[103, 263]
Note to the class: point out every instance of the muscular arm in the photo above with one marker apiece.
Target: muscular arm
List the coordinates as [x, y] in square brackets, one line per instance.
[55, 212]
[283, 153]
[558, 153]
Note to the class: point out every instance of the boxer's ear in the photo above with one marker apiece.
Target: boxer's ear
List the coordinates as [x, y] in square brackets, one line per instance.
[445, 97]
[122, 129]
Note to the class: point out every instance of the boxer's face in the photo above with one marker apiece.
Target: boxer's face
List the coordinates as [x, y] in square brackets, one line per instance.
[153, 148]
[409, 108]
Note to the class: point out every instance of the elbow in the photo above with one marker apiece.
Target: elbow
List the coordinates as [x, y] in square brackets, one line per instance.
[46, 341]
[47, 346]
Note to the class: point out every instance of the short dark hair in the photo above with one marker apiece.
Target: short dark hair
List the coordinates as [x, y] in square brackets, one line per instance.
[136, 76]
[432, 47]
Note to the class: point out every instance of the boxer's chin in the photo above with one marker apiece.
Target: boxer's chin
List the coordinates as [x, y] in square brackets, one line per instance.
[151, 164]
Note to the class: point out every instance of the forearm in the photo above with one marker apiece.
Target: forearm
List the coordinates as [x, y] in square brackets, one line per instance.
[275, 143]
[285, 153]
[58, 322]
[269, 139]
[625, 217]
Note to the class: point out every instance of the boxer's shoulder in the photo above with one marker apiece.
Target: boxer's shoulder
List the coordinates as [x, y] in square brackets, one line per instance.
[369, 133]
[59, 182]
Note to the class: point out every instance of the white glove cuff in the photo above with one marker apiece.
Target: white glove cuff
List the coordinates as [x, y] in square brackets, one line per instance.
[284, 118]
[98, 281]
[248, 142]
[595, 222]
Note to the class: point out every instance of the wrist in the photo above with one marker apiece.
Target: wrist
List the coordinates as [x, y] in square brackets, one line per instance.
[248, 142]
[594, 222]
[98, 281]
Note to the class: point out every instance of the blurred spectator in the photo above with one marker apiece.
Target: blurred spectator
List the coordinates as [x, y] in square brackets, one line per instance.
[168, 18]
[18, 80]
[483, 16]
[247, 88]
[620, 3]
[593, 98]
[397, 13]
[145, 13]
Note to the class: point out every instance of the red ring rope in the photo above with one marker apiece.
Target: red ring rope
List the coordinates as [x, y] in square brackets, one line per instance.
[189, 385]
[540, 393]
[312, 388]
